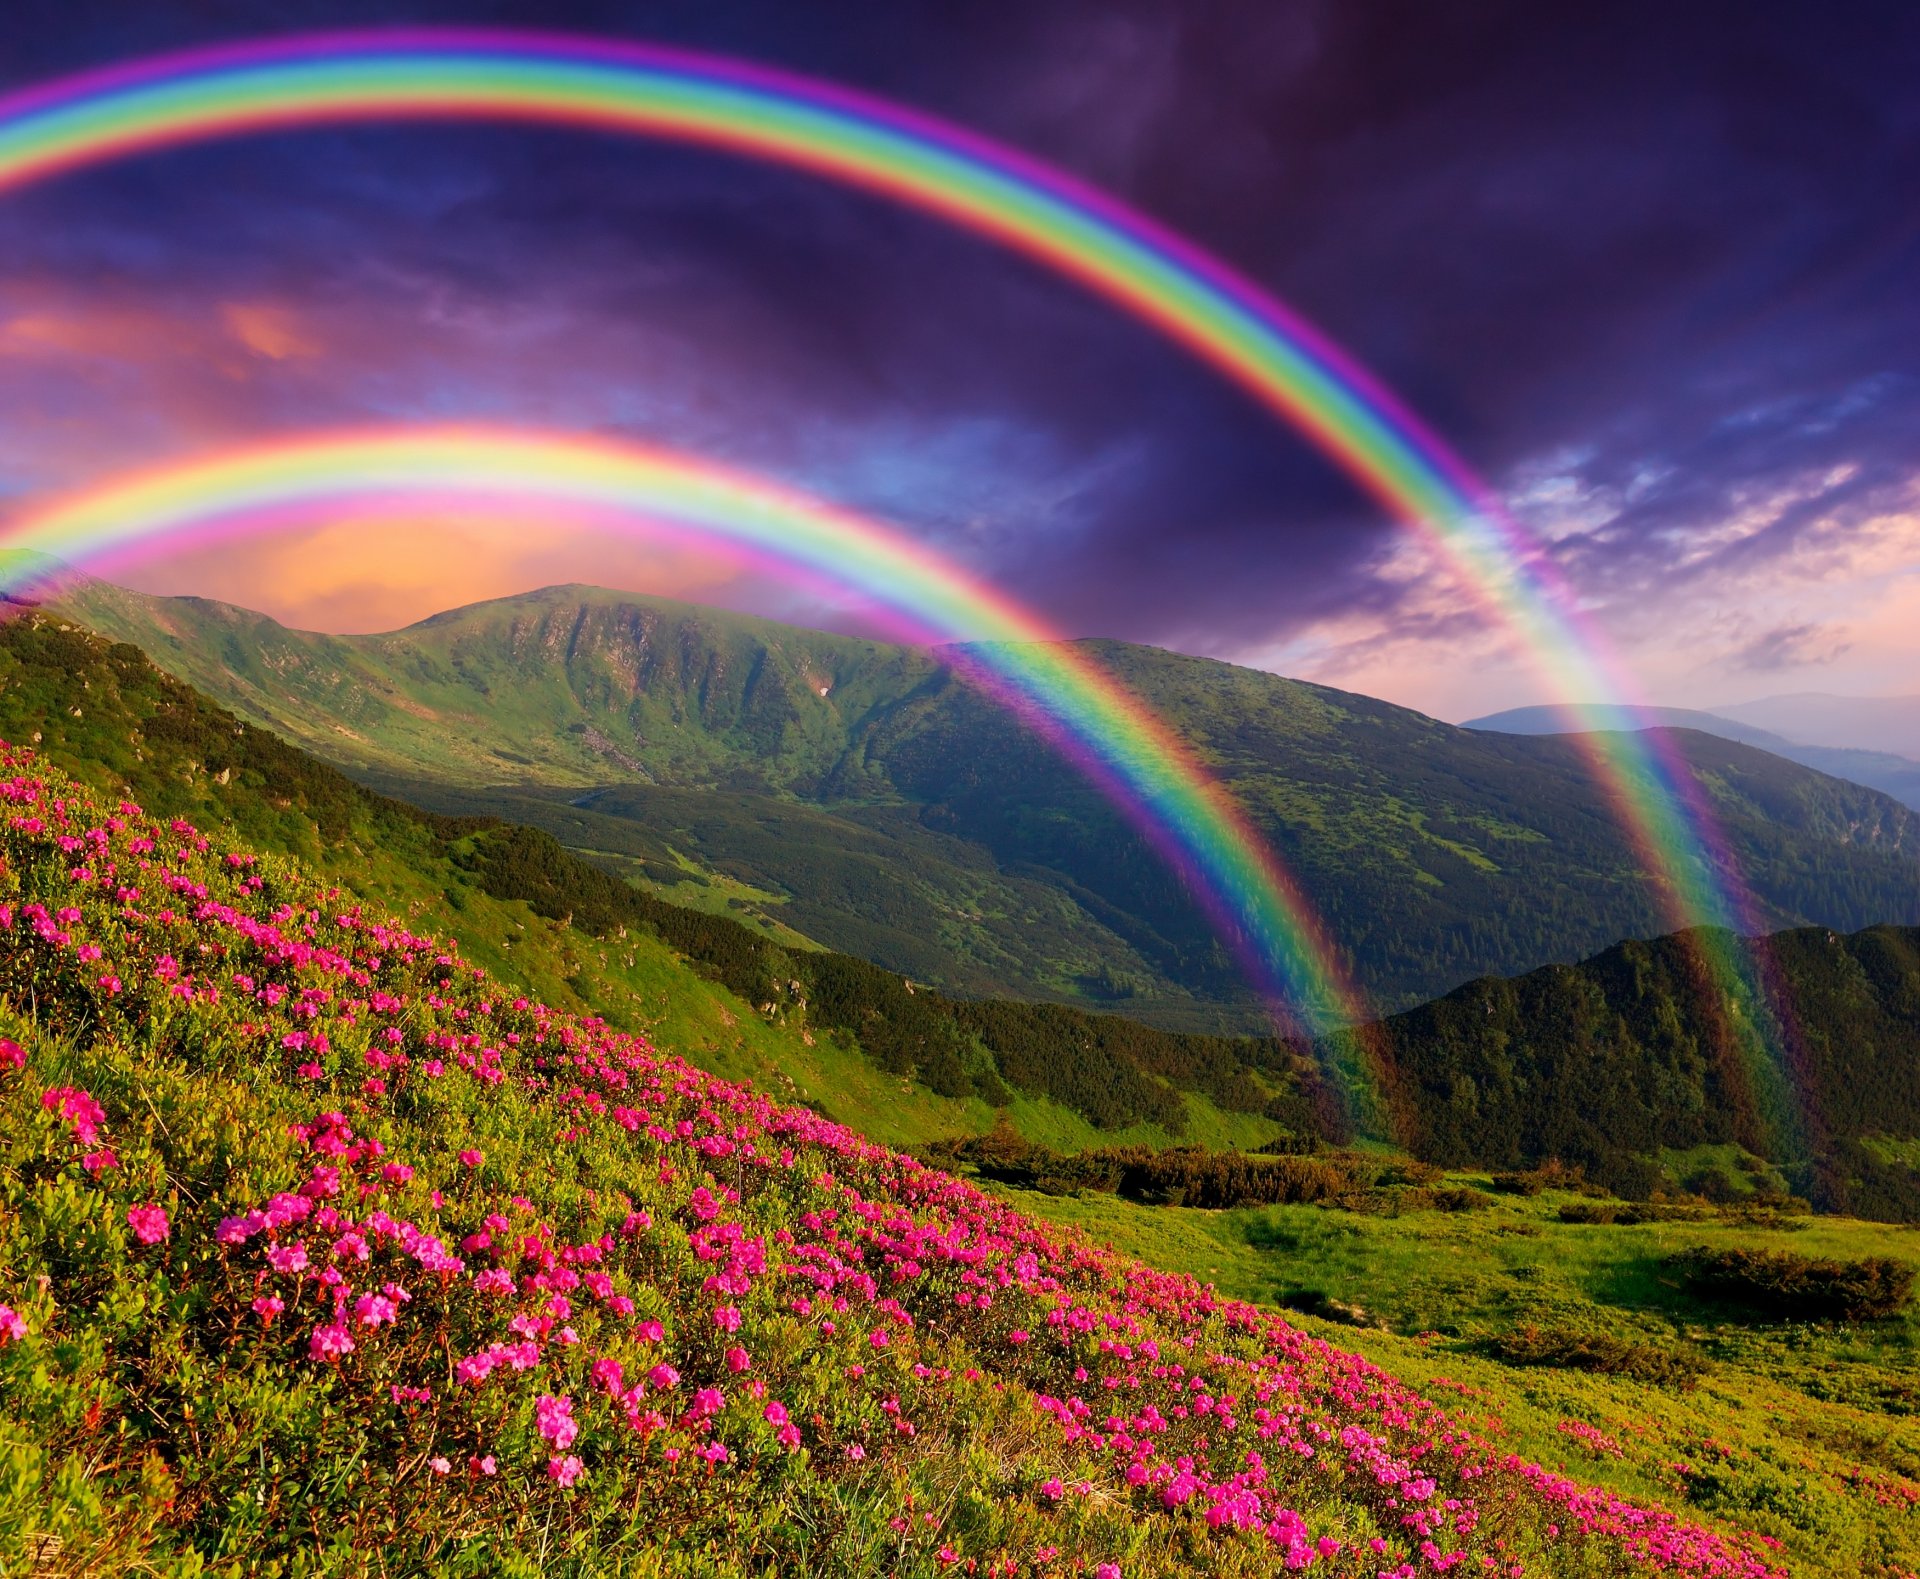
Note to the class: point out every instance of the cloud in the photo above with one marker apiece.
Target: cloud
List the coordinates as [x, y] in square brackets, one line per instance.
[268, 330]
[1790, 647]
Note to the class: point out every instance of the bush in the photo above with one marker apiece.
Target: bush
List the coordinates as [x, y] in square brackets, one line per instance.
[1450, 1199]
[1712, 1184]
[1568, 1350]
[1797, 1288]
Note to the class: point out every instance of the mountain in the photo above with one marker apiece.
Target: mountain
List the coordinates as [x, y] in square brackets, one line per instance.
[860, 796]
[1632, 1054]
[1608, 1064]
[828, 1029]
[1897, 776]
[1875, 723]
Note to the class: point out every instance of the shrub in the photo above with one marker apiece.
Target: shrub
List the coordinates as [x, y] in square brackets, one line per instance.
[317, 1243]
[1797, 1288]
[1565, 1349]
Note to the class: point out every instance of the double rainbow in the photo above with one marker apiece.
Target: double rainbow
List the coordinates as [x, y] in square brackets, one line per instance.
[1219, 316]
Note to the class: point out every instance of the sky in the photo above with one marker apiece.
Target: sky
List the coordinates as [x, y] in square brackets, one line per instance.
[1650, 268]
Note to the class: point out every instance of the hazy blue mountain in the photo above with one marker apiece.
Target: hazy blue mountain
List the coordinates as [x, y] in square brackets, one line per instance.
[1860, 723]
[1897, 776]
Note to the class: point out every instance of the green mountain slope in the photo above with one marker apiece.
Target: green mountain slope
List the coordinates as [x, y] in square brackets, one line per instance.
[828, 1029]
[903, 817]
[1629, 1055]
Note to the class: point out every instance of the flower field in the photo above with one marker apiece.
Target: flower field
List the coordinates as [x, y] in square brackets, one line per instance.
[323, 1252]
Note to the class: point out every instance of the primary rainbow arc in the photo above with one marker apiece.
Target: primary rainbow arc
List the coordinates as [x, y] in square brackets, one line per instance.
[1148, 772]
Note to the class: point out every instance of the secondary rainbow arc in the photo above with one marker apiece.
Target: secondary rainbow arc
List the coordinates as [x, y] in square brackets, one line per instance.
[1151, 775]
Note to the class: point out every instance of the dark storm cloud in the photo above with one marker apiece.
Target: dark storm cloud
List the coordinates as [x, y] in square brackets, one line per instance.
[1667, 251]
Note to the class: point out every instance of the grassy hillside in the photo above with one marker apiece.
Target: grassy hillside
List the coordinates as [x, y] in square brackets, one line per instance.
[321, 1251]
[831, 1030]
[1590, 1351]
[876, 806]
[1612, 1064]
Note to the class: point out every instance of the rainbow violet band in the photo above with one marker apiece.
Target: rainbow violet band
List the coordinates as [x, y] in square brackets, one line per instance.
[1152, 777]
[1154, 275]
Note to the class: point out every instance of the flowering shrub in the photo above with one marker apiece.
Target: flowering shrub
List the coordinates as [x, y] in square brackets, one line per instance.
[389, 1258]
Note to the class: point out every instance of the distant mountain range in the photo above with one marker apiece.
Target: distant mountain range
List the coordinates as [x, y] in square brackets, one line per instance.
[1815, 718]
[856, 795]
[1850, 718]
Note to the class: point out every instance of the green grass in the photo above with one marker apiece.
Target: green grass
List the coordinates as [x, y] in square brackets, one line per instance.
[1777, 1433]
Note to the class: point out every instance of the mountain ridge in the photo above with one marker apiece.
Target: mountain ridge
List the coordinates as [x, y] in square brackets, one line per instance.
[1894, 775]
[702, 744]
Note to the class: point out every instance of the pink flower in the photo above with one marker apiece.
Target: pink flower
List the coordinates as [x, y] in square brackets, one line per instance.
[566, 1470]
[855, 1451]
[727, 1318]
[267, 1306]
[438, 1465]
[330, 1342]
[288, 1258]
[12, 1328]
[78, 1108]
[12, 1054]
[776, 1413]
[149, 1224]
[554, 1417]
[664, 1376]
[472, 1159]
[1107, 1571]
[1052, 1490]
[373, 1310]
[482, 1466]
[739, 1360]
[878, 1338]
[97, 1162]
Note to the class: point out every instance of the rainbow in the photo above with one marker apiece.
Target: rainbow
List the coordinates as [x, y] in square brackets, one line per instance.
[1224, 319]
[1152, 776]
